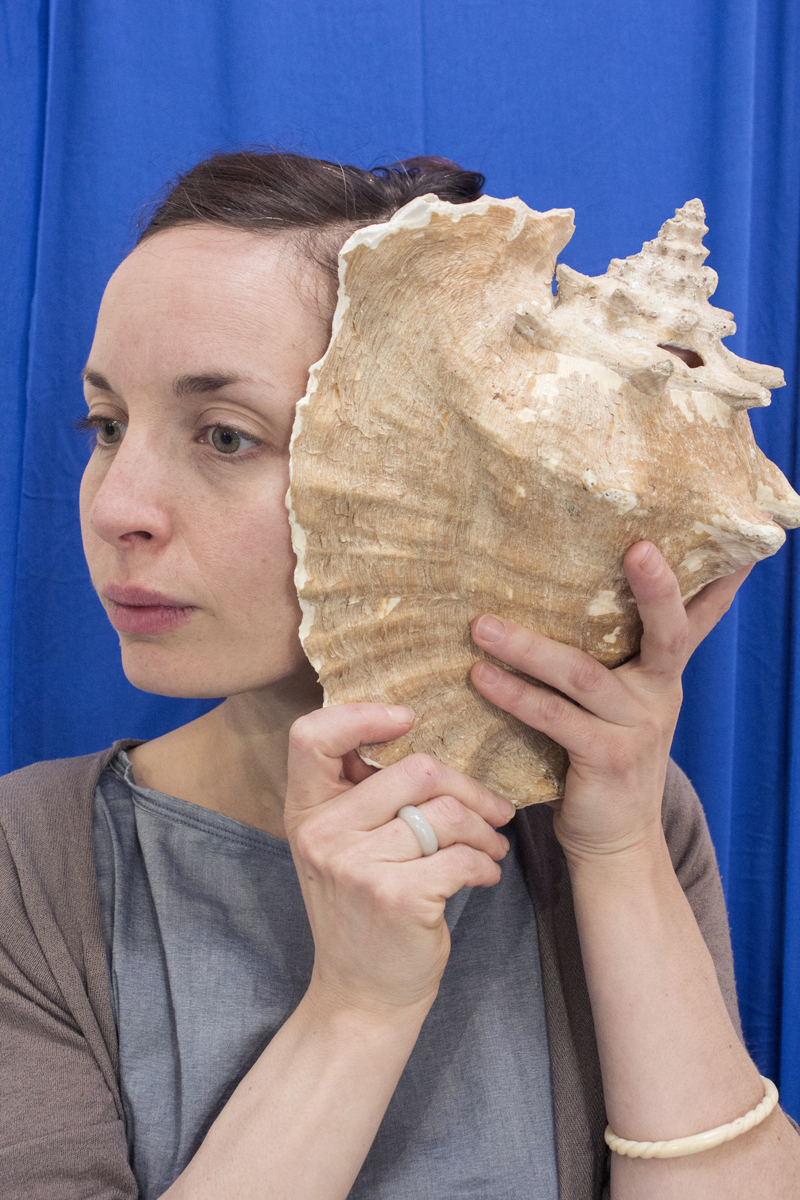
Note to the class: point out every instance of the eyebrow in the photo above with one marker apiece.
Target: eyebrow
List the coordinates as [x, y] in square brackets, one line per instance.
[184, 385]
[195, 385]
[96, 380]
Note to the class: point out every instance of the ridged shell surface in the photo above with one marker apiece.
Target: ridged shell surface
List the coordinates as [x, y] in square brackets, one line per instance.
[471, 443]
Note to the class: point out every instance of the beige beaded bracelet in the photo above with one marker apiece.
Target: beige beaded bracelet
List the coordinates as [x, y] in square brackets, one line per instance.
[678, 1147]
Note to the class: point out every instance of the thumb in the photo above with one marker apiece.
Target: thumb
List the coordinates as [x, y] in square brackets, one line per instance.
[321, 740]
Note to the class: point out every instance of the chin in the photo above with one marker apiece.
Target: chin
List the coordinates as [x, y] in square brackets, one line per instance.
[198, 677]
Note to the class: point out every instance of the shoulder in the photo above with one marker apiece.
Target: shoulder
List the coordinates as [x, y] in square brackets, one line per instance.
[57, 1022]
[48, 887]
[55, 773]
[43, 791]
[46, 826]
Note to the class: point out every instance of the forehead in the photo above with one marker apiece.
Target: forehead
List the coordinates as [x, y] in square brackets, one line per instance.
[207, 289]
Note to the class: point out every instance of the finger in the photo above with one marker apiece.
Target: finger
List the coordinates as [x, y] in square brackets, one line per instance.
[665, 637]
[451, 821]
[448, 871]
[354, 769]
[413, 780]
[709, 606]
[566, 668]
[538, 707]
[319, 741]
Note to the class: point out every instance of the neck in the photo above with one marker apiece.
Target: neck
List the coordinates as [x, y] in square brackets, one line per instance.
[233, 759]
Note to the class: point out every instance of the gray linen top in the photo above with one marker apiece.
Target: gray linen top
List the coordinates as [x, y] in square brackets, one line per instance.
[62, 1121]
[210, 951]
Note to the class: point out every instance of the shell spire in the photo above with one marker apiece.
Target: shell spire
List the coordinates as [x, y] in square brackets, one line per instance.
[673, 261]
[649, 319]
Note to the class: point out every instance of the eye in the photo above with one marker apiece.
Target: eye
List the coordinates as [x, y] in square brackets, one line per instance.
[110, 432]
[229, 441]
[107, 430]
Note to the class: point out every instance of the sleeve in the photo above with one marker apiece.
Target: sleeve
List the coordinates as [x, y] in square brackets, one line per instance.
[61, 1134]
[695, 864]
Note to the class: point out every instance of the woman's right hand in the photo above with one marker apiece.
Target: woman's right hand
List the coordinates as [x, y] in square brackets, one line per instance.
[375, 904]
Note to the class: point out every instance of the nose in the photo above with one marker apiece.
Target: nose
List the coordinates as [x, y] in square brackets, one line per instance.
[129, 502]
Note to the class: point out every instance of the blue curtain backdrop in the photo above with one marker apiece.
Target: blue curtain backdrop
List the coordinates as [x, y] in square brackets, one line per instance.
[622, 110]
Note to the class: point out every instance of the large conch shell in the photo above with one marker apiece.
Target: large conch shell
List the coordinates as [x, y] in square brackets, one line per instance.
[470, 443]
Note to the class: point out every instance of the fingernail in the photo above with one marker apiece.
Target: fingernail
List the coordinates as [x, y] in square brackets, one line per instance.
[651, 563]
[504, 806]
[490, 629]
[399, 713]
[488, 674]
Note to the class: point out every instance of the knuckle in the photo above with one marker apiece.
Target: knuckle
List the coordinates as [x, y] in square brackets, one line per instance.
[448, 810]
[674, 640]
[527, 644]
[313, 844]
[465, 858]
[618, 757]
[479, 869]
[676, 644]
[301, 733]
[422, 768]
[552, 706]
[586, 675]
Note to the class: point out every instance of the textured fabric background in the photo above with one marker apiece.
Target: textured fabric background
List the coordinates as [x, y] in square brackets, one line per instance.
[622, 110]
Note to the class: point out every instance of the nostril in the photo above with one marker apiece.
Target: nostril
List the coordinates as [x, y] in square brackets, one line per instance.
[137, 533]
[690, 357]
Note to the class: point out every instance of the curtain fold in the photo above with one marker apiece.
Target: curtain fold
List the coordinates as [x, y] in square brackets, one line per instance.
[621, 111]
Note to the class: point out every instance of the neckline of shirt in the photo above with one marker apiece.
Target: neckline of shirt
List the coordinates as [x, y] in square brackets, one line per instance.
[186, 812]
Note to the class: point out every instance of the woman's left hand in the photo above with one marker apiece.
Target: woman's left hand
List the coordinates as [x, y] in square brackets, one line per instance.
[616, 725]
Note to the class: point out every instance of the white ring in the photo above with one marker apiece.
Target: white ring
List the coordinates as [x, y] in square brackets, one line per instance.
[422, 828]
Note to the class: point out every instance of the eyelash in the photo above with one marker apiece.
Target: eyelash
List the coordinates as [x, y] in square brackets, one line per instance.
[91, 424]
[87, 424]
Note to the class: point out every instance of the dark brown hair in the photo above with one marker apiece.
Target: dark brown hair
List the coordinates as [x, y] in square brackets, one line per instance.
[269, 191]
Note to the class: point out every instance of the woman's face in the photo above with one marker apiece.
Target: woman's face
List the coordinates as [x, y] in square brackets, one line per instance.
[202, 349]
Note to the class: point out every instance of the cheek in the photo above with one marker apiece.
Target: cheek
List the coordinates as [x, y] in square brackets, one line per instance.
[253, 559]
[90, 485]
[272, 558]
[87, 493]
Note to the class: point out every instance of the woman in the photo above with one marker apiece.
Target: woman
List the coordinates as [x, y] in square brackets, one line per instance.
[195, 1008]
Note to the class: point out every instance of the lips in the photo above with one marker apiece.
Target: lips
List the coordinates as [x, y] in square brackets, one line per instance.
[139, 610]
